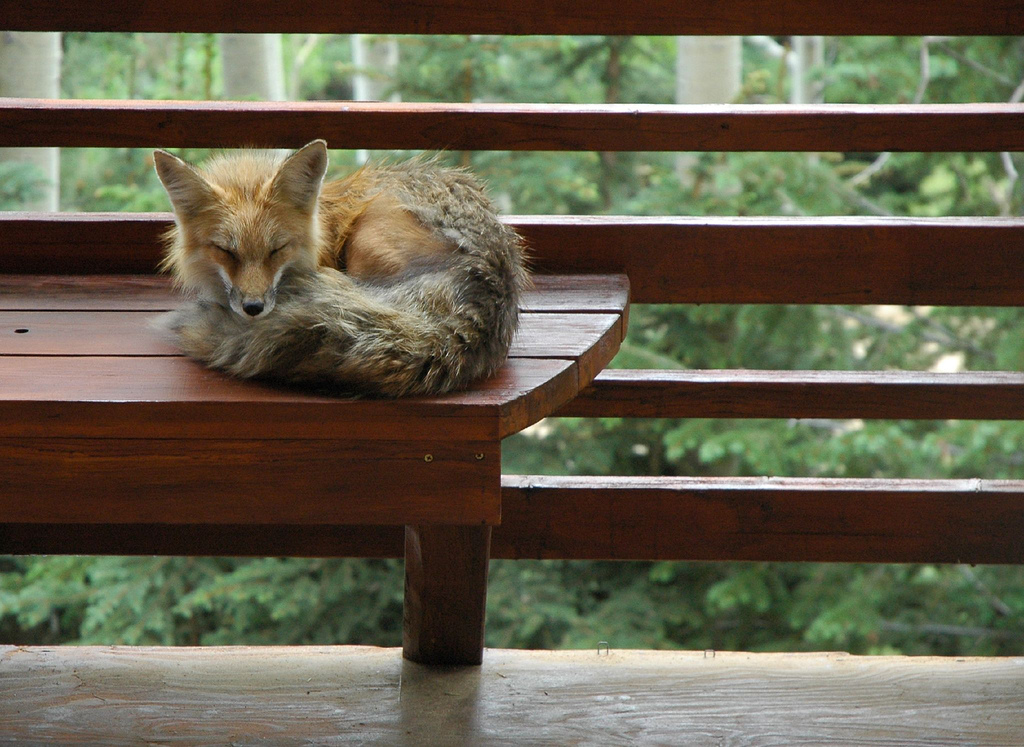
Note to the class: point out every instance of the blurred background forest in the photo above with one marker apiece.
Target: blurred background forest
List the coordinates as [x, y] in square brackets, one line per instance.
[913, 609]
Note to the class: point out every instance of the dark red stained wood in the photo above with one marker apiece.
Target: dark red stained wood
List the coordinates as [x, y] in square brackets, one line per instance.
[86, 293]
[131, 333]
[82, 243]
[104, 397]
[126, 480]
[550, 293]
[948, 261]
[61, 333]
[552, 383]
[896, 521]
[780, 17]
[445, 594]
[921, 521]
[942, 261]
[981, 395]
[570, 293]
[534, 127]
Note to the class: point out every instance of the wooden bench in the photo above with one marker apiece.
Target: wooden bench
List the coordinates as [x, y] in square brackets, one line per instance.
[111, 443]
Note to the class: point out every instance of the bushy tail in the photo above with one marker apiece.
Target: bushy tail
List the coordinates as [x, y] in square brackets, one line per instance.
[427, 333]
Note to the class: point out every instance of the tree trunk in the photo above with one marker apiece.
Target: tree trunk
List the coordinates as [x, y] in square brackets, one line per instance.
[808, 54]
[30, 67]
[252, 66]
[376, 64]
[708, 71]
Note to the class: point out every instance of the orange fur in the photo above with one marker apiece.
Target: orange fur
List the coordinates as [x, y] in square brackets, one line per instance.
[426, 299]
[239, 224]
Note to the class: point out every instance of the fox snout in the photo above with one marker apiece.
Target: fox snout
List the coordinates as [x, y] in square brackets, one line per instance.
[253, 308]
[251, 305]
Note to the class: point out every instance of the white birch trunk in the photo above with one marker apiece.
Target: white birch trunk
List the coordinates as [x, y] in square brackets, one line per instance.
[708, 71]
[808, 55]
[252, 66]
[375, 63]
[30, 67]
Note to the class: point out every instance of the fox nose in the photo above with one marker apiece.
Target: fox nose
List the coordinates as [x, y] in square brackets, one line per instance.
[252, 308]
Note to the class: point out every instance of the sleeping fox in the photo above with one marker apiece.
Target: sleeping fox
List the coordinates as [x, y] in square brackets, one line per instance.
[397, 280]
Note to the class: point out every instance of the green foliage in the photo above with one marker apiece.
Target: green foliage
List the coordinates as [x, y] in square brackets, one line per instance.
[862, 608]
[19, 183]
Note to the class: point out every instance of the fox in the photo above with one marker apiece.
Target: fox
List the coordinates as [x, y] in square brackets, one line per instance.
[399, 279]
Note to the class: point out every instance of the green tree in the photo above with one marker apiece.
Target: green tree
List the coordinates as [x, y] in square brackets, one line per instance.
[759, 606]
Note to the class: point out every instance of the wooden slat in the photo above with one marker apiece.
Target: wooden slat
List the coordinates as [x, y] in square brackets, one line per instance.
[868, 521]
[940, 261]
[131, 333]
[974, 395]
[839, 260]
[237, 481]
[530, 127]
[562, 294]
[173, 397]
[787, 519]
[81, 243]
[86, 292]
[780, 17]
[579, 293]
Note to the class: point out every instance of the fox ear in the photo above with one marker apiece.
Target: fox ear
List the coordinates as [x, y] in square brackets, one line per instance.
[190, 193]
[299, 178]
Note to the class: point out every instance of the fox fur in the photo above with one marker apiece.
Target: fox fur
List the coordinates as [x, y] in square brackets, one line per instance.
[397, 280]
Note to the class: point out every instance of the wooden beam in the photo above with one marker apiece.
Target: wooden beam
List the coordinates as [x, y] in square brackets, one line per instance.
[445, 594]
[840, 260]
[530, 127]
[778, 17]
[126, 480]
[973, 395]
[721, 519]
[787, 519]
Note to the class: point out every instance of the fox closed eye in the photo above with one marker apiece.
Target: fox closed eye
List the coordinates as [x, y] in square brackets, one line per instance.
[226, 251]
[279, 248]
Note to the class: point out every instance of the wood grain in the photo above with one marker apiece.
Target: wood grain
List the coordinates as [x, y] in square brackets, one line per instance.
[445, 594]
[522, 127]
[788, 519]
[737, 17]
[947, 261]
[355, 695]
[177, 398]
[126, 480]
[721, 519]
[560, 294]
[86, 293]
[974, 395]
[131, 334]
[940, 261]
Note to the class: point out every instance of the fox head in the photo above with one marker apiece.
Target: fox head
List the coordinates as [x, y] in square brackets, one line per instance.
[242, 223]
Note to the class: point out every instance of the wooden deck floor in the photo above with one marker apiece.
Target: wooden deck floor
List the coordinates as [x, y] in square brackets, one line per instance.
[361, 695]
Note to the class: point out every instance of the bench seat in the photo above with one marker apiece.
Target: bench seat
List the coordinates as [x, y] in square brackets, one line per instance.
[103, 405]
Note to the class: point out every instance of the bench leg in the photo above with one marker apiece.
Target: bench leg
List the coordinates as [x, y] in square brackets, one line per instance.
[445, 593]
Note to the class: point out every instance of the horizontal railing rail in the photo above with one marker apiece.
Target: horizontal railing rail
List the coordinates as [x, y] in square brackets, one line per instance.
[637, 518]
[831, 260]
[531, 127]
[614, 17]
[896, 395]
